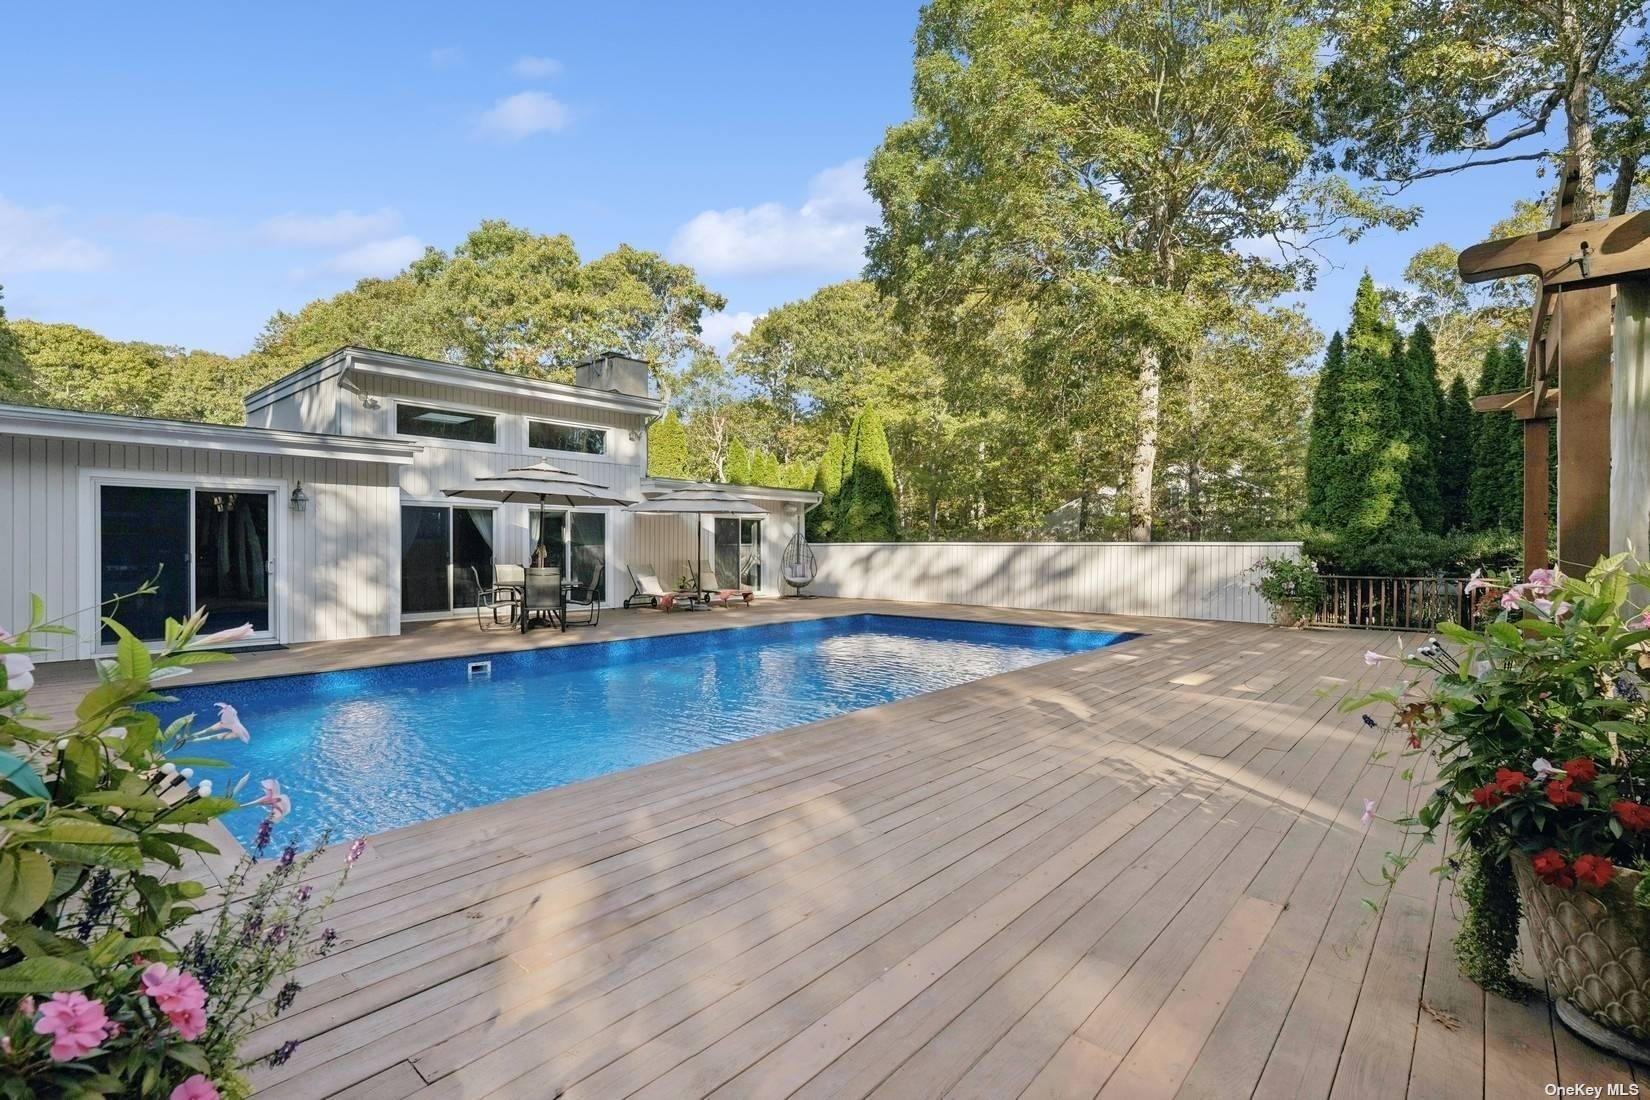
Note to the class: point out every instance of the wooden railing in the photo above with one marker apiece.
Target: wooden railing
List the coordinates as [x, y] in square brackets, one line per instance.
[1393, 603]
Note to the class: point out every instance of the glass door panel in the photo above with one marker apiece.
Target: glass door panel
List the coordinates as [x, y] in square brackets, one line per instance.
[551, 540]
[725, 558]
[472, 549]
[426, 544]
[232, 558]
[142, 531]
[589, 546]
[750, 553]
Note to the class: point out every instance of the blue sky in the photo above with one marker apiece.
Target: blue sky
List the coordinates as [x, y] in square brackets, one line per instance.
[177, 174]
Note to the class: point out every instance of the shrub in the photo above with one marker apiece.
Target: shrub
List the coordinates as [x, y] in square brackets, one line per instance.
[1291, 587]
[1411, 553]
[102, 993]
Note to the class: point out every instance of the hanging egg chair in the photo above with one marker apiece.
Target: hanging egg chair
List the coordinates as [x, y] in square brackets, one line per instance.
[798, 568]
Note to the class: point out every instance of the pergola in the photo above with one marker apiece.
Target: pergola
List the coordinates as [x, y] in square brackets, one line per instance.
[1583, 268]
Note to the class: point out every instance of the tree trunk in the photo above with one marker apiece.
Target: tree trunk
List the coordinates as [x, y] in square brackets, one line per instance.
[1144, 465]
[1578, 115]
[1621, 191]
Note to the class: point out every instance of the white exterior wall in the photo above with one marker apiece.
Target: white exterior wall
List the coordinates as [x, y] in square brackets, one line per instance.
[337, 566]
[1630, 422]
[1179, 580]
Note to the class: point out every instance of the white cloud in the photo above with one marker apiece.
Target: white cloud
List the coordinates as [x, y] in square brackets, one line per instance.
[34, 240]
[376, 258]
[328, 230]
[825, 234]
[445, 57]
[536, 68]
[523, 115]
[719, 329]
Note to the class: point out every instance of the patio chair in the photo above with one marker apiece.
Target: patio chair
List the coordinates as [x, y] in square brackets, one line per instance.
[715, 591]
[490, 600]
[506, 573]
[542, 593]
[650, 591]
[583, 598]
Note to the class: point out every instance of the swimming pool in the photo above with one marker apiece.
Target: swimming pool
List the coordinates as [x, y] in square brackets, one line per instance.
[372, 749]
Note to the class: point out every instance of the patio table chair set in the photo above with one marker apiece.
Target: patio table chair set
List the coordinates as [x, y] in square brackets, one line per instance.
[525, 596]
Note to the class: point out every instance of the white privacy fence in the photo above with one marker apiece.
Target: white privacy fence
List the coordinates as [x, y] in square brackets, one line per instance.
[1188, 580]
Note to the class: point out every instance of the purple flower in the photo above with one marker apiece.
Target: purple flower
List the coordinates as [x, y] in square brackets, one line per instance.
[266, 829]
[283, 1053]
[355, 851]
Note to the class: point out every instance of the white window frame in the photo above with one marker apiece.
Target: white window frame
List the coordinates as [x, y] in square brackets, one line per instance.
[605, 429]
[91, 481]
[607, 515]
[499, 421]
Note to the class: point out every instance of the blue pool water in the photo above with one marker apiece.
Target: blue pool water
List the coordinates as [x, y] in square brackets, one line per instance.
[372, 749]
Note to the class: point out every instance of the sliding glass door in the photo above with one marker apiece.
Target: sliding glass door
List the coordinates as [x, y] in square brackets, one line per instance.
[738, 553]
[200, 547]
[579, 538]
[440, 545]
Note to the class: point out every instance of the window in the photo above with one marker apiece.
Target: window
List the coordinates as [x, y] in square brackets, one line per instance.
[565, 437]
[466, 427]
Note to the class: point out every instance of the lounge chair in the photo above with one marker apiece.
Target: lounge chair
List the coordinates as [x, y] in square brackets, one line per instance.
[543, 593]
[490, 600]
[715, 591]
[648, 590]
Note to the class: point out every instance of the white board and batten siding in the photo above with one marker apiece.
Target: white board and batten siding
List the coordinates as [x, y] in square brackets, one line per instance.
[1183, 580]
[336, 575]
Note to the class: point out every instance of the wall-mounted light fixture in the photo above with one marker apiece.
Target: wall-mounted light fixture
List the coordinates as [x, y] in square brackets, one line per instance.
[300, 499]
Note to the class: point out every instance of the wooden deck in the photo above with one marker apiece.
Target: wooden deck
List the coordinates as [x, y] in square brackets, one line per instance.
[1135, 872]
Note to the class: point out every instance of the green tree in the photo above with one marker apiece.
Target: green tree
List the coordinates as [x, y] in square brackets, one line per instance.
[1420, 410]
[1495, 493]
[1420, 88]
[1063, 197]
[11, 361]
[1456, 455]
[822, 523]
[737, 467]
[1324, 449]
[667, 447]
[869, 510]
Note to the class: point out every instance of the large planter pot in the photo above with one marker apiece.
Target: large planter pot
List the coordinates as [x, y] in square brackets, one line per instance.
[1594, 947]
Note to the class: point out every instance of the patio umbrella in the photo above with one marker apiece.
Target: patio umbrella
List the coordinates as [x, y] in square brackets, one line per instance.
[698, 501]
[544, 484]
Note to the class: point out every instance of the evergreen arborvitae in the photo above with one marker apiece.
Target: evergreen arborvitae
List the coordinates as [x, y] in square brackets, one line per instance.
[1363, 468]
[736, 467]
[1421, 407]
[828, 483]
[1323, 447]
[1495, 493]
[869, 510]
[667, 447]
[1455, 440]
[764, 469]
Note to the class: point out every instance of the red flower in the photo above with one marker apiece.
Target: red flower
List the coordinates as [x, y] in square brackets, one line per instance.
[1487, 796]
[1552, 868]
[1594, 870]
[1560, 794]
[1508, 781]
[1633, 815]
[1581, 769]
[1414, 740]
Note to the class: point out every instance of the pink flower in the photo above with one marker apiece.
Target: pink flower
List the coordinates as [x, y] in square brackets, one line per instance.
[279, 804]
[1546, 577]
[195, 1088]
[229, 721]
[233, 634]
[1369, 810]
[179, 995]
[1511, 597]
[355, 851]
[1639, 622]
[1372, 658]
[76, 1024]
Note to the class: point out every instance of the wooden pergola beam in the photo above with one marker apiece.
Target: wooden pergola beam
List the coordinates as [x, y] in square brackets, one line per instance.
[1582, 255]
[1523, 405]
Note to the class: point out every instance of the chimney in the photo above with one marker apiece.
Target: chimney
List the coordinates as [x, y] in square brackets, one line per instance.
[618, 373]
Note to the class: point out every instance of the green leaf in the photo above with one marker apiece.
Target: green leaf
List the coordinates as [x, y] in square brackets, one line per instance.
[123, 856]
[19, 774]
[180, 839]
[44, 974]
[198, 810]
[25, 882]
[146, 802]
[61, 831]
[190, 1055]
[132, 658]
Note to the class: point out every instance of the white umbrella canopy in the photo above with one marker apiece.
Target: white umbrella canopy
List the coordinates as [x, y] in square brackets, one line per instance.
[541, 484]
[698, 501]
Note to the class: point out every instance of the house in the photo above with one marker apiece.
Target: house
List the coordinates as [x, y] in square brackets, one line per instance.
[324, 517]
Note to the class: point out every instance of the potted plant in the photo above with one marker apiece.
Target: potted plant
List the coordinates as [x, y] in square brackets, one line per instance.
[1538, 733]
[1292, 587]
